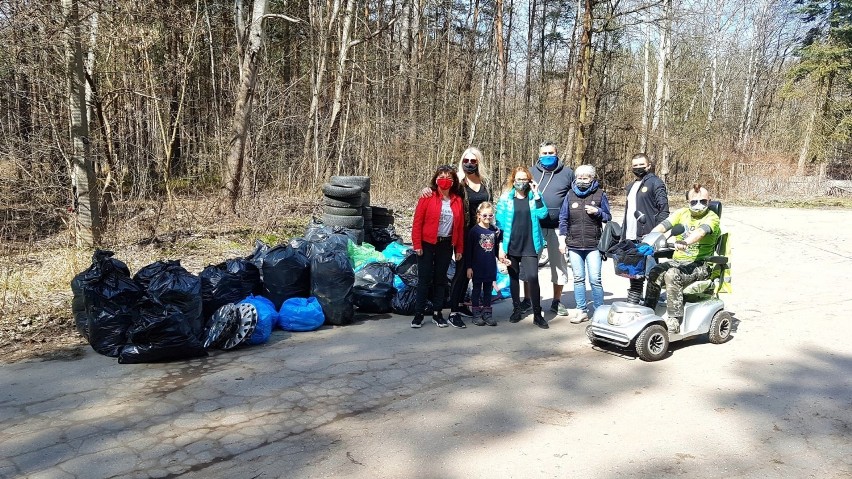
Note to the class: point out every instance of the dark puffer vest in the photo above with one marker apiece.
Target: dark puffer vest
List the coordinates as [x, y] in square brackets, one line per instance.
[584, 230]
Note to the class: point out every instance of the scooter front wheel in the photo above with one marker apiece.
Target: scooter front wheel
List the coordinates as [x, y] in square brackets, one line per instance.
[652, 343]
[720, 327]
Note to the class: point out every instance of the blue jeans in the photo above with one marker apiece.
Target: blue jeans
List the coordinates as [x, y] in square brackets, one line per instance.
[582, 261]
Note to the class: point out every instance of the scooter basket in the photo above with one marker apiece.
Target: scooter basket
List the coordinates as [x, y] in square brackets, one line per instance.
[628, 260]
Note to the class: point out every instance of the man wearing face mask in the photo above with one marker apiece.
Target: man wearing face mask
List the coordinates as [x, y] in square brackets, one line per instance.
[647, 205]
[554, 179]
[687, 266]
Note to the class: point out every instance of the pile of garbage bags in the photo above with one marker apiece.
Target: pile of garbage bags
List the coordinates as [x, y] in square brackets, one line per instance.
[164, 312]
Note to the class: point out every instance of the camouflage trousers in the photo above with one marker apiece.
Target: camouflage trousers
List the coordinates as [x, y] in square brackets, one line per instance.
[676, 275]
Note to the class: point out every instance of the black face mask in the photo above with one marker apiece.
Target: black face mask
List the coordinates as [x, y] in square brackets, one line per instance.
[469, 168]
[640, 172]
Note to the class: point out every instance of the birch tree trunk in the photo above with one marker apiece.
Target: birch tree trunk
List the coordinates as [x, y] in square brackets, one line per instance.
[242, 109]
[342, 60]
[84, 187]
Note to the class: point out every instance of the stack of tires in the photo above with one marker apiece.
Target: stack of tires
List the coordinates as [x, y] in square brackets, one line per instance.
[381, 217]
[347, 204]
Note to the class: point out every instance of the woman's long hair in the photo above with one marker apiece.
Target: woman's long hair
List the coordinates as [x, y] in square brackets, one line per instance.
[482, 170]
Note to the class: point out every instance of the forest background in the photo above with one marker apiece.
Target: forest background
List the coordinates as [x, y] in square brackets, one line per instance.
[176, 128]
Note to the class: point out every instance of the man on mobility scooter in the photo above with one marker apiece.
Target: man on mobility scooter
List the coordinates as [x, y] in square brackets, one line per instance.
[687, 265]
[694, 263]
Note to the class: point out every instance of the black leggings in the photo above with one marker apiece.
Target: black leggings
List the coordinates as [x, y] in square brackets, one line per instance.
[530, 277]
[481, 289]
[432, 268]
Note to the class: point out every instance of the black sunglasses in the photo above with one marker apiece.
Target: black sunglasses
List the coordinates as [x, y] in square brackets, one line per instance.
[471, 161]
[695, 202]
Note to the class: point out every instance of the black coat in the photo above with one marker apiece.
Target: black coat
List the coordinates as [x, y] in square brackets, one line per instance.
[652, 200]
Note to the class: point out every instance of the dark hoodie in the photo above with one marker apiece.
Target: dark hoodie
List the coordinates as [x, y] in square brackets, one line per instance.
[553, 187]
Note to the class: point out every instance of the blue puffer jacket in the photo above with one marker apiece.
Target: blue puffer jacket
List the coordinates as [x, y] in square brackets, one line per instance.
[505, 214]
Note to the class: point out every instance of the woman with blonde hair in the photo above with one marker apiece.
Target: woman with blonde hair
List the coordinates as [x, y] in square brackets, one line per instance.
[475, 191]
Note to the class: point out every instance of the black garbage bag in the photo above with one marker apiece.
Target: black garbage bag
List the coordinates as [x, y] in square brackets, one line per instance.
[317, 230]
[403, 302]
[320, 243]
[161, 334]
[407, 269]
[256, 257]
[92, 274]
[109, 303]
[169, 324]
[373, 273]
[332, 279]
[227, 282]
[374, 298]
[382, 236]
[302, 245]
[285, 274]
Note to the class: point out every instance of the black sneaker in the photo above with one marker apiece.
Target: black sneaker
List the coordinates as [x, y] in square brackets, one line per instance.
[417, 321]
[517, 314]
[526, 306]
[456, 321]
[539, 321]
[465, 311]
[439, 320]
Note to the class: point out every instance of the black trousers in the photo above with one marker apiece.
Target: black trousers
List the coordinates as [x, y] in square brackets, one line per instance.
[529, 264]
[432, 268]
[459, 285]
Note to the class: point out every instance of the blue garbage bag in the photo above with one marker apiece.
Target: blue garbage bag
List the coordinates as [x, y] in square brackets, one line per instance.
[300, 314]
[267, 317]
[396, 252]
[502, 290]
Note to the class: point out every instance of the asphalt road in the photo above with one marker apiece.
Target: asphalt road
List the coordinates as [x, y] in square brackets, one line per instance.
[379, 399]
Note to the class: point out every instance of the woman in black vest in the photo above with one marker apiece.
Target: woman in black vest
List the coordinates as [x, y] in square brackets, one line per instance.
[581, 219]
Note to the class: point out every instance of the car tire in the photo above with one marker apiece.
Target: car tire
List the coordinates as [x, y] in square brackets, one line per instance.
[365, 198]
[340, 211]
[652, 343]
[352, 222]
[720, 327]
[351, 202]
[361, 181]
[341, 191]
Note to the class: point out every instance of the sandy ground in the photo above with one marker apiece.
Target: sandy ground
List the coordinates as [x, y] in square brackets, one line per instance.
[379, 399]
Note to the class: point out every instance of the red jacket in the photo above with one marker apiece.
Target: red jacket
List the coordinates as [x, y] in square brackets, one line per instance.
[427, 216]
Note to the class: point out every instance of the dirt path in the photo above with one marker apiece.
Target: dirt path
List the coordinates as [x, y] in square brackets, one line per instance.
[379, 399]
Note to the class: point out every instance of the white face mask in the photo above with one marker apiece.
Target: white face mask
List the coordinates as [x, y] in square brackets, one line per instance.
[697, 208]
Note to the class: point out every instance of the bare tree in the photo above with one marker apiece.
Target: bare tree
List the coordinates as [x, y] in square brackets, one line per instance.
[84, 187]
[242, 109]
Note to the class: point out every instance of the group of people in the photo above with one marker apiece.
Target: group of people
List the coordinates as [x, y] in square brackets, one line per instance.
[546, 206]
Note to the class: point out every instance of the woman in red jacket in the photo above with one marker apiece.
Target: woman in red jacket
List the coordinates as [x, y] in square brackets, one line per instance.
[437, 232]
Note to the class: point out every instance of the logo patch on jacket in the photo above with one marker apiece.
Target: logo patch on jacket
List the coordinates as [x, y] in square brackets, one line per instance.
[486, 242]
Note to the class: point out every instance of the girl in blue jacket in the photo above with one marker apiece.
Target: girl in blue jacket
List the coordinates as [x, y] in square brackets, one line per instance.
[518, 213]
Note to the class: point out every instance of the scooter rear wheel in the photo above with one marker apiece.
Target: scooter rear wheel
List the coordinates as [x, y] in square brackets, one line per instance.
[720, 328]
[652, 343]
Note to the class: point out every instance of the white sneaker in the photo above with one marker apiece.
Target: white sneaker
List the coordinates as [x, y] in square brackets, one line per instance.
[578, 316]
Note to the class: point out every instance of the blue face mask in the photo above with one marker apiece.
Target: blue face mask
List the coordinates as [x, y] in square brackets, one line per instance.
[548, 162]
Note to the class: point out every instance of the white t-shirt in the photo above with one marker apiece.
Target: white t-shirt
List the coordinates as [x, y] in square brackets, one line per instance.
[445, 225]
[630, 221]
